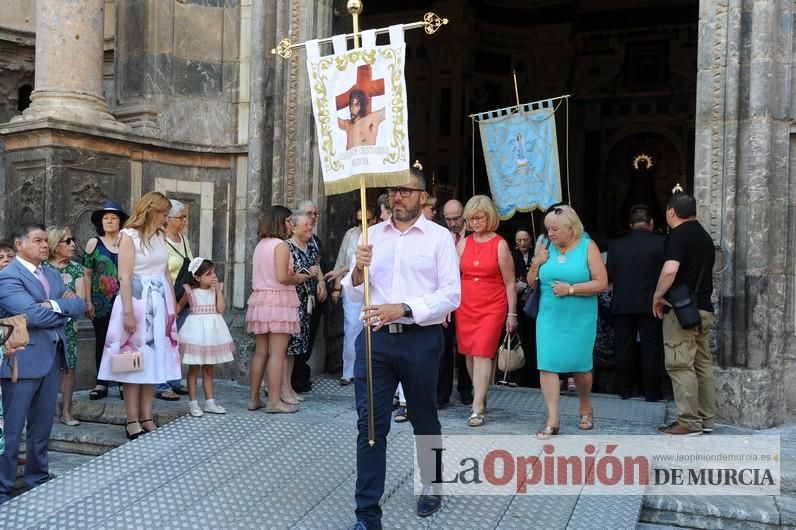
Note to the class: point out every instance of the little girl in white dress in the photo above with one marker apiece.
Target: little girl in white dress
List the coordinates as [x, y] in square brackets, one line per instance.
[204, 337]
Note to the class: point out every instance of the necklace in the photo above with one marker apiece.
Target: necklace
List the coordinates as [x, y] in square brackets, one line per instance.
[477, 252]
[562, 255]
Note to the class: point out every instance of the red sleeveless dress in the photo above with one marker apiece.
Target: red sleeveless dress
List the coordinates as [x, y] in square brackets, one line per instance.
[481, 317]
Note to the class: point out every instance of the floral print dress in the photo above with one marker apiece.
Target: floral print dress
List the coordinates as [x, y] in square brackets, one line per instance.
[69, 274]
[302, 261]
[104, 280]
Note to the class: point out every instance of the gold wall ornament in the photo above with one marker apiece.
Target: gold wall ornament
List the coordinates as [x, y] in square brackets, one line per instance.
[643, 157]
[677, 189]
[432, 22]
[418, 165]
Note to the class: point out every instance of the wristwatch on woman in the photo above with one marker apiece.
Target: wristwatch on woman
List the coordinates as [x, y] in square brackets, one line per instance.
[571, 289]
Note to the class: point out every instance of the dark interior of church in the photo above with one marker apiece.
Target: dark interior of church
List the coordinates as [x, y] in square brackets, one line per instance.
[626, 134]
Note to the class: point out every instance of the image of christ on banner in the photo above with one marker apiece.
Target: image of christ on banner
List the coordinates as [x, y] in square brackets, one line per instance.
[359, 106]
[361, 124]
[521, 156]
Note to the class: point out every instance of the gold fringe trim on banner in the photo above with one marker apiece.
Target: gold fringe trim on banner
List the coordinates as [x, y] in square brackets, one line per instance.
[372, 180]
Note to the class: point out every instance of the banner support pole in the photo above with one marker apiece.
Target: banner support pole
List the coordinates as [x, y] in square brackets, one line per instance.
[354, 9]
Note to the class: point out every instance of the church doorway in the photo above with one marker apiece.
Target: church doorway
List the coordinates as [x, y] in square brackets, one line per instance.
[630, 67]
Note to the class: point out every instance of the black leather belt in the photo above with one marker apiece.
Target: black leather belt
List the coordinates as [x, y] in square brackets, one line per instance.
[398, 328]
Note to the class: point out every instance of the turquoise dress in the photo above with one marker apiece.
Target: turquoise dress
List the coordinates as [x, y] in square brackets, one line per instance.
[566, 326]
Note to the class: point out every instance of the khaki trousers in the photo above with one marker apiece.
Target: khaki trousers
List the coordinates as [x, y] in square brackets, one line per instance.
[689, 363]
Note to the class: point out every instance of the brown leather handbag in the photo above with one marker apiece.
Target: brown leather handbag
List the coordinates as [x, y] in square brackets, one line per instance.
[14, 336]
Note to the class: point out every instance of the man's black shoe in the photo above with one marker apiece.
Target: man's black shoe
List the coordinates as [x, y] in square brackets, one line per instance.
[442, 403]
[302, 388]
[428, 503]
[466, 397]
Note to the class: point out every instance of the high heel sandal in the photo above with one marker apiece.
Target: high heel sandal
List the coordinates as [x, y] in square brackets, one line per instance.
[133, 436]
[586, 422]
[148, 430]
[548, 431]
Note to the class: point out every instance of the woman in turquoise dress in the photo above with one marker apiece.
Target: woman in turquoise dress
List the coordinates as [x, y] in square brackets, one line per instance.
[572, 273]
[63, 248]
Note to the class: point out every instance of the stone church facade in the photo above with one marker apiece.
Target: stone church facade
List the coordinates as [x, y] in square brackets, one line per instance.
[113, 98]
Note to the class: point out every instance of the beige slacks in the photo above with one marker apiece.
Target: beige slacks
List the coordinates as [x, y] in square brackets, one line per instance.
[690, 365]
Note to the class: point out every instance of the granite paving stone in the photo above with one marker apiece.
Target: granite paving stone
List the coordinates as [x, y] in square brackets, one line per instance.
[249, 469]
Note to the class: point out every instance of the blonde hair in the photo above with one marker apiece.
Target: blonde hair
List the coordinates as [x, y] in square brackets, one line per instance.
[567, 218]
[144, 214]
[431, 201]
[54, 236]
[482, 203]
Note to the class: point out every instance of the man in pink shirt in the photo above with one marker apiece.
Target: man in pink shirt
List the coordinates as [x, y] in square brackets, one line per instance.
[414, 284]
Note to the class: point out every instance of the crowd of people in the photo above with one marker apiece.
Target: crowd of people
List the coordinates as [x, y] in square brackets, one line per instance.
[444, 293]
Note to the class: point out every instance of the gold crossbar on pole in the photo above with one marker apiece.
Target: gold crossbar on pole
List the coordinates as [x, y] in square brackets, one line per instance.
[431, 23]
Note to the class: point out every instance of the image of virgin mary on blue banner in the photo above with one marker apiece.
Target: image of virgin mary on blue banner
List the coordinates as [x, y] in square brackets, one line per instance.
[521, 155]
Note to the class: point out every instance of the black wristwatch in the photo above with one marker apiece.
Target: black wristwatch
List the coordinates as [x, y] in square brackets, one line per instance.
[407, 310]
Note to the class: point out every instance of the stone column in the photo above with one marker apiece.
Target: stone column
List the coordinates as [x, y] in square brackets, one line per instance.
[69, 55]
[743, 174]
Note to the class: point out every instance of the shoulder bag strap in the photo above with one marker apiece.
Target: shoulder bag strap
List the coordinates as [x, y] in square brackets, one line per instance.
[175, 250]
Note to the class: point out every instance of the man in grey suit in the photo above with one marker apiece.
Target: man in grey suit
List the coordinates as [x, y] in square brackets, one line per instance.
[38, 292]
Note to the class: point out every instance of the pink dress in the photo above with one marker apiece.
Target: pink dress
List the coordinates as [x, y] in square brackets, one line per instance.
[153, 305]
[272, 306]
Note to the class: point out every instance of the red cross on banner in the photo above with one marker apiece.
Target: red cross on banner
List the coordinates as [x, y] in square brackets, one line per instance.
[365, 84]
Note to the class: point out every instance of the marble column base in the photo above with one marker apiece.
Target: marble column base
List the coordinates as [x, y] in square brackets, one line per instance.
[750, 398]
[141, 117]
[72, 107]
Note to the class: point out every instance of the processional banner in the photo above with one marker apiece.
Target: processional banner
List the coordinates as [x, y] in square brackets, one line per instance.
[521, 155]
[359, 104]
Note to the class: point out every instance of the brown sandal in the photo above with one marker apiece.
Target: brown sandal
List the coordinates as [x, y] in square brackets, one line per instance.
[586, 422]
[548, 431]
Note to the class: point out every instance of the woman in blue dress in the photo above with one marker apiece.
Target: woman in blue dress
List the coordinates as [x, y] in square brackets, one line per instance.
[572, 273]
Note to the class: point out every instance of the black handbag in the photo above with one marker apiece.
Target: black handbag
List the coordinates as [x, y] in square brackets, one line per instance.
[684, 303]
[183, 275]
[532, 305]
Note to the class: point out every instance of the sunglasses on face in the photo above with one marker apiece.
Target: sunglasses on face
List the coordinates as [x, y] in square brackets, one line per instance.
[180, 217]
[68, 241]
[405, 192]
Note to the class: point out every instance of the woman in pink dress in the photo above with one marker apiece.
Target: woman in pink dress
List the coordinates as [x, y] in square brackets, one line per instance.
[272, 313]
[142, 318]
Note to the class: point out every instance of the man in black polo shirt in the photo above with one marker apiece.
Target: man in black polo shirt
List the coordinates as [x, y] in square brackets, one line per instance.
[688, 259]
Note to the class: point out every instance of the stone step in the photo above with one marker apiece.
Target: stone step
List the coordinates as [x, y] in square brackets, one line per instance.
[730, 512]
[87, 438]
[111, 410]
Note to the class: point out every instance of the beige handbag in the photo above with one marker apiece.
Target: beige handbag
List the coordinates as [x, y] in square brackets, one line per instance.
[123, 363]
[14, 334]
[510, 355]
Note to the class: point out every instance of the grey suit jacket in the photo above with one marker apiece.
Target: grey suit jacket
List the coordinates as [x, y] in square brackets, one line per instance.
[21, 292]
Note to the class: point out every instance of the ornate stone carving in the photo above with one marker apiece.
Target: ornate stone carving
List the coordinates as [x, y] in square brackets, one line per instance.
[89, 196]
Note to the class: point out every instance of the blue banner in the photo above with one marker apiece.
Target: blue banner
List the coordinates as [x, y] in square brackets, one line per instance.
[521, 154]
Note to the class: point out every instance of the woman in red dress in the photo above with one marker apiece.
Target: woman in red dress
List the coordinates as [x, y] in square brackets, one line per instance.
[489, 298]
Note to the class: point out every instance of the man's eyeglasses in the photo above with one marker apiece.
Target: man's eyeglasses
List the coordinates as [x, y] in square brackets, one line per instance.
[68, 241]
[405, 192]
[312, 214]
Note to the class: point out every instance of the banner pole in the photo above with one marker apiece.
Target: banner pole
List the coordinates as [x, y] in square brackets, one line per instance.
[355, 8]
[516, 90]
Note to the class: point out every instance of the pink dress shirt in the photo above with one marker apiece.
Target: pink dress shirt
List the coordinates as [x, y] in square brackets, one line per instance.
[418, 267]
